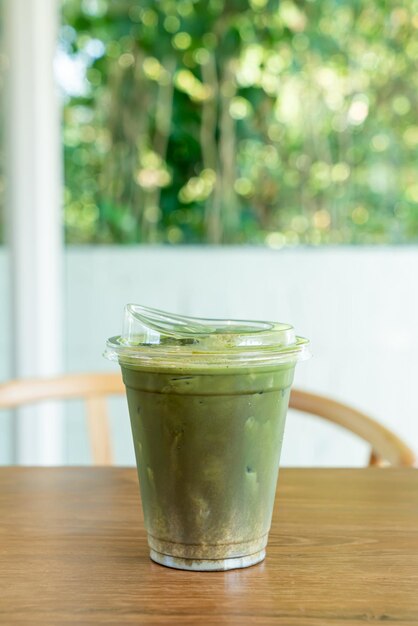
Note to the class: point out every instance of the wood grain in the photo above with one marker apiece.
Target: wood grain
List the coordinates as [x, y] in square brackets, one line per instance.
[343, 550]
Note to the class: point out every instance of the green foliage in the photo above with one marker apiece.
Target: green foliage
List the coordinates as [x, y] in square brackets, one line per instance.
[242, 121]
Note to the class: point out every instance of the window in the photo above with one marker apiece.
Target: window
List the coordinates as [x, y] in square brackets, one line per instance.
[209, 121]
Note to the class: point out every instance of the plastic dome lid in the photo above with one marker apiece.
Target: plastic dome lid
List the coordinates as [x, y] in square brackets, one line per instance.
[157, 338]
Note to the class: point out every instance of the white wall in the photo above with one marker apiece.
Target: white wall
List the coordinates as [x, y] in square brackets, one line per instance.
[359, 307]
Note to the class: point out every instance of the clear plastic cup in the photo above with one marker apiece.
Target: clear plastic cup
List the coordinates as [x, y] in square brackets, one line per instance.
[207, 402]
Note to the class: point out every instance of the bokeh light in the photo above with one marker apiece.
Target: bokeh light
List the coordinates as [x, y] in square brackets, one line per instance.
[244, 122]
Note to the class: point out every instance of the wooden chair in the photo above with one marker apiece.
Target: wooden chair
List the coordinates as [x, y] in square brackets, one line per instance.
[92, 388]
[95, 388]
[386, 447]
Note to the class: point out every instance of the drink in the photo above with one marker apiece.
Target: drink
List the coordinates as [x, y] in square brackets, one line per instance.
[207, 421]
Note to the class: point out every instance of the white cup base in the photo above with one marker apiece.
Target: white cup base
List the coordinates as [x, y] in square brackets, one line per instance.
[208, 565]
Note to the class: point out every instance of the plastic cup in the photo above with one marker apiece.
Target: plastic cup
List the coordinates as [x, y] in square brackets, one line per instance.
[207, 402]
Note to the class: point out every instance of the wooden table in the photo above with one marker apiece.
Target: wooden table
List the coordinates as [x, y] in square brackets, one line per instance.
[343, 550]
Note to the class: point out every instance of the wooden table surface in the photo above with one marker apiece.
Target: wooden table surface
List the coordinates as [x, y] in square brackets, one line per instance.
[343, 550]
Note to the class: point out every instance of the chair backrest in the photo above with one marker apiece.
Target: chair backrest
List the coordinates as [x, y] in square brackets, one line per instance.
[95, 388]
[386, 447]
[92, 388]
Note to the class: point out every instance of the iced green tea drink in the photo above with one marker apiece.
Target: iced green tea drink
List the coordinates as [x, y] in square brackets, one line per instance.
[207, 402]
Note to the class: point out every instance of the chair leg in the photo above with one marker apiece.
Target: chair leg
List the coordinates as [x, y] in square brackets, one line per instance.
[98, 425]
[375, 460]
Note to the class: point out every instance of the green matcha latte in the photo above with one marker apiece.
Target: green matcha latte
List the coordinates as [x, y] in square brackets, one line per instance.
[207, 402]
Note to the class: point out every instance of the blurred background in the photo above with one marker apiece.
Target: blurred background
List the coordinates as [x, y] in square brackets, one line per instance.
[232, 159]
